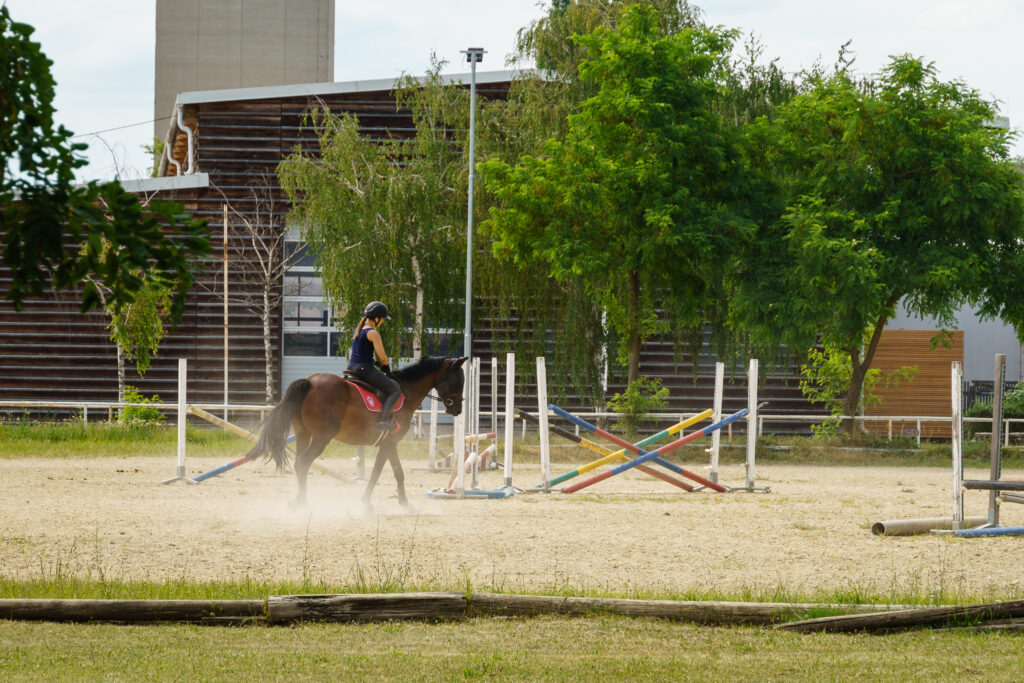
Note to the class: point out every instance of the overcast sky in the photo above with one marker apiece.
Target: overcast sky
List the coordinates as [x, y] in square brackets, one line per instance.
[103, 50]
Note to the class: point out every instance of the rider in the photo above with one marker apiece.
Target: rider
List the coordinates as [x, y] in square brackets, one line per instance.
[365, 343]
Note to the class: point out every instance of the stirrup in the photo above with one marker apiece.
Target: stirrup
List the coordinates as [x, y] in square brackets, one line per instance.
[388, 425]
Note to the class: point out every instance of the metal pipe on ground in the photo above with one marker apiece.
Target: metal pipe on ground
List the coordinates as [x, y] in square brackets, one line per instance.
[912, 527]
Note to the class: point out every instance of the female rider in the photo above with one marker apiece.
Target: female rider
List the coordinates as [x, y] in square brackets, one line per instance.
[366, 343]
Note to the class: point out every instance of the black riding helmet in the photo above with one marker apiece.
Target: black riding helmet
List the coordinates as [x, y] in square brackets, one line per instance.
[376, 309]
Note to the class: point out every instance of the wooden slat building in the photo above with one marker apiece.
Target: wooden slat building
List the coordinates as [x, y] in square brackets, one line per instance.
[230, 144]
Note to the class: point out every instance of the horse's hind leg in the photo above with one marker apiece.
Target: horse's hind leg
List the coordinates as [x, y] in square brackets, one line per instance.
[303, 460]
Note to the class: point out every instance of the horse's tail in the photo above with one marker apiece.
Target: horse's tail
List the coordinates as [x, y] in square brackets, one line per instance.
[275, 428]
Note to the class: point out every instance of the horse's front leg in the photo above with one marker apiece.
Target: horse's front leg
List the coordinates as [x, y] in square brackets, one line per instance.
[378, 465]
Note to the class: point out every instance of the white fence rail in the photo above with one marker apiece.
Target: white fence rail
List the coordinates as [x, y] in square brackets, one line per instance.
[110, 407]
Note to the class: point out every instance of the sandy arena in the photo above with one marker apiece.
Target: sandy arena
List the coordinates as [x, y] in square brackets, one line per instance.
[628, 535]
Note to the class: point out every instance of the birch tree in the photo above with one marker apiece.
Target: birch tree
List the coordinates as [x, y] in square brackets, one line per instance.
[386, 217]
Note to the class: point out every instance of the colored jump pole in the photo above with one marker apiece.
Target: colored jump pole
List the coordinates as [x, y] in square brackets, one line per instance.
[610, 457]
[645, 456]
[222, 469]
[990, 531]
[621, 454]
[245, 434]
[600, 450]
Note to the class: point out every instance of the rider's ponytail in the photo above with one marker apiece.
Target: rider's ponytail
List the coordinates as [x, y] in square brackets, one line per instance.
[359, 327]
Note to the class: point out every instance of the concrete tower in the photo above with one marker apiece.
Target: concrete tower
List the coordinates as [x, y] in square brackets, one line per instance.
[221, 44]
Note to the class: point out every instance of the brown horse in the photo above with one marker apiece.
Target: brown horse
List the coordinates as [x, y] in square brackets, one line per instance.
[323, 407]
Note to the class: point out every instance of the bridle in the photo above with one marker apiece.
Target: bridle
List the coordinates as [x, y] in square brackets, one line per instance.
[448, 402]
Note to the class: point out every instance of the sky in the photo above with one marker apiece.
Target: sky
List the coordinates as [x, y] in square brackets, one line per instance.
[103, 50]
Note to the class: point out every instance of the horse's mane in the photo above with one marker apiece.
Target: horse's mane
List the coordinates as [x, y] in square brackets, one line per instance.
[421, 368]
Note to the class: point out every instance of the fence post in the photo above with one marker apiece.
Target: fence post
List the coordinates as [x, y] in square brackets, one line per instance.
[542, 415]
[510, 384]
[956, 380]
[751, 420]
[433, 434]
[996, 454]
[182, 419]
[716, 436]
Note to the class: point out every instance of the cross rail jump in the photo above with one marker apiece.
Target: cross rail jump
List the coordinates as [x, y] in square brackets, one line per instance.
[646, 456]
[609, 456]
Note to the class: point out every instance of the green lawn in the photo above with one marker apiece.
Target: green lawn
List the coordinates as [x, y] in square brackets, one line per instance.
[595, 648]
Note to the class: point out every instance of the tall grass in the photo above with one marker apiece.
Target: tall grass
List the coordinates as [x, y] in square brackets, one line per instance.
[72, 439]
[76, 440]
[398, 579]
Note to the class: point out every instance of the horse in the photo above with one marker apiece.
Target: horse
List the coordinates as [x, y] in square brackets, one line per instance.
[324, 407]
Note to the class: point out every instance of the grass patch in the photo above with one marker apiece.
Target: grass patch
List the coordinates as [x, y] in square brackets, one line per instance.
[541, 648]
[75, 440]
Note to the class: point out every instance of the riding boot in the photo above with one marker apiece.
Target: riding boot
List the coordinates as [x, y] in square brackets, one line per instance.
[386, 421]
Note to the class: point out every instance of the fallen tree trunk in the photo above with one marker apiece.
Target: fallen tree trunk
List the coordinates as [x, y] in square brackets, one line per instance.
[283, 609]
[133, 611]
[448, 606]
[910, 618]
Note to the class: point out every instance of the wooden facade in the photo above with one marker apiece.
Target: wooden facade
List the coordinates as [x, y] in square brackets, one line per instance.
[928, 393]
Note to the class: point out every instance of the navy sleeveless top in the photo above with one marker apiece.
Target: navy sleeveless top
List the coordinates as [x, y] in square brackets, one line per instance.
[362, 350]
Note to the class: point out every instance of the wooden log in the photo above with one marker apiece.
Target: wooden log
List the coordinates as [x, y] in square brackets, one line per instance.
[910, 618]
[133, 611]
[987, 485]
[384, 607]
[699, 612]
[282, 609]
[998, 625]
[1012, 498]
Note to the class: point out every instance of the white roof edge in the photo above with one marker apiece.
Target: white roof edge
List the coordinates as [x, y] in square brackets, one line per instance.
[305, 89]
[166, 183]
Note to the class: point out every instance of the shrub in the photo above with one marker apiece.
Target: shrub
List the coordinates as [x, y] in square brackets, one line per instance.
[1013, 407]
[645, 395]
[136, 414]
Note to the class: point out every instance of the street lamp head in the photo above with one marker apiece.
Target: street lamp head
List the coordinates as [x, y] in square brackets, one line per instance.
[474, 55]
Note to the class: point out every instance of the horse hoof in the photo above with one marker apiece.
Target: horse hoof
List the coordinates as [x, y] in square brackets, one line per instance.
[408, 508]
[368, 510]
[296, 505]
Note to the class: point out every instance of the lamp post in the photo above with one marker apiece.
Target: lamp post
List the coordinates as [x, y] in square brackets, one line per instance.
[473, 56]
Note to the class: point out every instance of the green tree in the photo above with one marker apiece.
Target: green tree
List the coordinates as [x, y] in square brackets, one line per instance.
[826, 378]
[137, 329]
[387, 217]
[556, 318]
[54, 231]
[540, 315]
[643, 200]
[893, 190]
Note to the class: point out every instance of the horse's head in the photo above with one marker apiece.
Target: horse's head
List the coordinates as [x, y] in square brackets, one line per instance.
[449, 387]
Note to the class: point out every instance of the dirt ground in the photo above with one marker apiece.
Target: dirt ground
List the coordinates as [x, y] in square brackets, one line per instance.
[112, 518]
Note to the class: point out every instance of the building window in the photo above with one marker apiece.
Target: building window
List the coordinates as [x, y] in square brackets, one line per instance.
[308, 325]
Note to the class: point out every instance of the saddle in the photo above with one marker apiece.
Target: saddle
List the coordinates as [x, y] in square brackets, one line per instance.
[372, 398]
